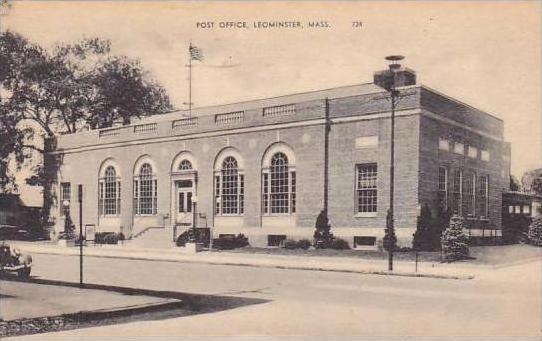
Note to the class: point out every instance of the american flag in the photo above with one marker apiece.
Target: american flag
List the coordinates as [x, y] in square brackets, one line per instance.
[195, 53]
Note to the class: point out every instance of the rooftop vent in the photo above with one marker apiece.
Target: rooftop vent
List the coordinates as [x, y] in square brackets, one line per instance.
[395, 76]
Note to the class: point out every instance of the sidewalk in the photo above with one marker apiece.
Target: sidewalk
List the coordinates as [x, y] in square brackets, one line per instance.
[339, 264]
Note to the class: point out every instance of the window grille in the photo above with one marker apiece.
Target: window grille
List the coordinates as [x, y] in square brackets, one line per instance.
[366, 188]
[456, 192]
[185, 165]
[484, 196]
[279, 186]
[468, 195]
[279, 110]
[229, 188]
[145, 191]
[109, 193]
[229, 117]
[443, 187]
[65, 195]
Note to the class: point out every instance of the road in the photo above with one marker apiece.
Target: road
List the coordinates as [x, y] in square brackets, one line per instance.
[502, 302]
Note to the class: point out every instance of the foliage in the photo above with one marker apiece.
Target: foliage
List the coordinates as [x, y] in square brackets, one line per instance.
[201, 235]
[339, 244]
[230, 242]
[304, 244]
[514, 228]
[429, 230]
[534, 233]
[322, 234]
[454, 240]
[514, 184]
[389, 240]
[290, 244]
[531, 181]
[49, 93]
[108, 238]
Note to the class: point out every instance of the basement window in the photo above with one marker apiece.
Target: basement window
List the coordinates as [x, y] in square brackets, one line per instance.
[360, 241]
[275, 239]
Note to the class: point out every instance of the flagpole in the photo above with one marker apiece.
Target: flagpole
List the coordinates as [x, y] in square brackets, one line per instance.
[190, 80]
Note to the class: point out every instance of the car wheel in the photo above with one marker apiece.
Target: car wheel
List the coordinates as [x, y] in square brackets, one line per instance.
[24, 273]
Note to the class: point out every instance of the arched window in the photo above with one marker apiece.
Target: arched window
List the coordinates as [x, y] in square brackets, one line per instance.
[229, 188]
[279, 186]
[109, 193]
[185, 165]
[145, 191]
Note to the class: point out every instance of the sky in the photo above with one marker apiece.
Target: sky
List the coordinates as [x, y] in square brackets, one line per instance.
[484, 53]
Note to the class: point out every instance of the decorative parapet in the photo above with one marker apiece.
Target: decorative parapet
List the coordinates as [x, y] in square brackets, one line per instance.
[184, 123]
[230, 117]
[279, 110]
[145, 128]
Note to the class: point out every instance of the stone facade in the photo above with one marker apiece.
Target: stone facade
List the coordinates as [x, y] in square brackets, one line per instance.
[254, 132]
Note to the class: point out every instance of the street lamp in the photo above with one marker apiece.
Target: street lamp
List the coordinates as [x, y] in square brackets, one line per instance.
[388, 80]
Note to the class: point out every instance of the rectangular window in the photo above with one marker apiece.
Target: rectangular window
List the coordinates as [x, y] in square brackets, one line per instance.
[485, 155]
[527, 209]
[472, 152]
[459, 148]
[443, 187]
[366, 142]
[443, 144]
[275, 239]
[364, 241]
[366, 188]
[468, 195]
[484, 196]
[456, 192]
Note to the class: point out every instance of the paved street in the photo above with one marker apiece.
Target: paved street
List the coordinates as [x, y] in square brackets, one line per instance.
[502, 302]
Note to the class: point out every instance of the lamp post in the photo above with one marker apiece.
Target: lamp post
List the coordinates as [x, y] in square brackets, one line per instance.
[388, 82]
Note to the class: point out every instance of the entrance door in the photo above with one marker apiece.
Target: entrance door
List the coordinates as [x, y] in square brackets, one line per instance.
[185, 192]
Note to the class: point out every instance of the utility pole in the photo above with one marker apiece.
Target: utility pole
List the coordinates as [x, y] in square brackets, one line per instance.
[80, 199]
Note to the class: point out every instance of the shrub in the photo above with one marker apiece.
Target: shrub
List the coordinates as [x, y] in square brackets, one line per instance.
[427, 235]
[201, 235]
[515, 228]
[230, 242]
[322, 234]
[304, 244]
[454, 240]
[339, 244]
[290, 244]
[107, 238]
[534, 234]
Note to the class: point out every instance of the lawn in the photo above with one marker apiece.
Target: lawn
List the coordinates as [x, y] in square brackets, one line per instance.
[481, 255]
[365, 254]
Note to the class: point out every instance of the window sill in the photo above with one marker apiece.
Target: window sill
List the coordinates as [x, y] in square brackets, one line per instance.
[365, 215]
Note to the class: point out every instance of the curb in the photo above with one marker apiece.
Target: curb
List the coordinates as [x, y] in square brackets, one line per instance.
[164, 258]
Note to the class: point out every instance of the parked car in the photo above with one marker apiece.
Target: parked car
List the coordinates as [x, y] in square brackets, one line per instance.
[13, 261]
[12, 232]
